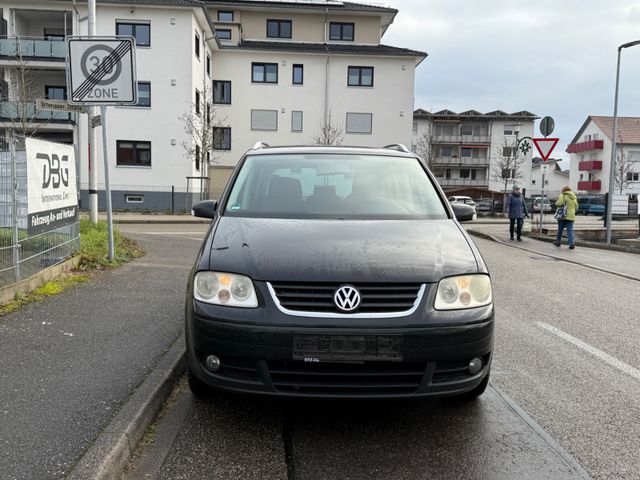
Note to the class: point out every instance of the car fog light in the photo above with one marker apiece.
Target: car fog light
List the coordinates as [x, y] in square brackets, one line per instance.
[212, 362]
[475, 366]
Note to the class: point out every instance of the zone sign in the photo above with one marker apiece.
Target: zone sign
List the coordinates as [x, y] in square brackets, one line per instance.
[101, 70]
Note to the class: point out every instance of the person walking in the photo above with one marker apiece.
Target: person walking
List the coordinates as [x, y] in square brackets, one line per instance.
[567, 199]
[516, 210]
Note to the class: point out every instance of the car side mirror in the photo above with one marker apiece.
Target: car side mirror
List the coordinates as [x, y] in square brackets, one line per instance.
[205, 209]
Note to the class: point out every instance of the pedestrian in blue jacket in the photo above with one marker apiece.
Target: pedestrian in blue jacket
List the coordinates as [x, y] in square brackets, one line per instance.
[516, 210]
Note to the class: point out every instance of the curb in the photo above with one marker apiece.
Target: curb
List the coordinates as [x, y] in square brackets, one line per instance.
[492, 238]
[113, 448]
[165, 222]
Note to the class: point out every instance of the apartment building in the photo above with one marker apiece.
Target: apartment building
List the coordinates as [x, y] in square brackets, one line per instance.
[473, 153]
[276, 71]
[590, 154]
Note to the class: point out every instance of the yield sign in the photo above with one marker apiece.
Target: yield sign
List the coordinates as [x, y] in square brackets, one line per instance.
[545, 146]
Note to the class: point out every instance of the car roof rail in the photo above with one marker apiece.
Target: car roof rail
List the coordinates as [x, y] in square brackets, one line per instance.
[259, 145]
[398, 146]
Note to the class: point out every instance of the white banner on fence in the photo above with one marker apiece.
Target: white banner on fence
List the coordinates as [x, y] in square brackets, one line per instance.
[51, 186]
[620, 204]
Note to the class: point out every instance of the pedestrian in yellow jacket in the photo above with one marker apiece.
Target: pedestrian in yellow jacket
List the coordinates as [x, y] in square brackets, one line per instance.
[566, 199]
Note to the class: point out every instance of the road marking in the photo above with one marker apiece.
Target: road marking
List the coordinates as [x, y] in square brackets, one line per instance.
[173, 233]
[605, 357]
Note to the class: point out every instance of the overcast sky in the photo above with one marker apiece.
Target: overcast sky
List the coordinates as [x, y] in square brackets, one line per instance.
[550, 57]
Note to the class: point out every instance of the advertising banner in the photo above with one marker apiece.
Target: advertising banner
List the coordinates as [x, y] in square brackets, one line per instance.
[51, 186]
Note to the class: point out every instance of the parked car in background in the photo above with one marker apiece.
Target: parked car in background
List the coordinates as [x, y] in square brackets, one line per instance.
[544, 203]
[484, 205]
[591, 205]
[461, 199]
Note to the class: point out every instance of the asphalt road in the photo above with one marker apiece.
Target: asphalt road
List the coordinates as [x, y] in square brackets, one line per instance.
[566, 354]
[70, 361]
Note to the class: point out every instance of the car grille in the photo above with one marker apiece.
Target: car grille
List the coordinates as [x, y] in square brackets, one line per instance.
[318, 297]
[346, 379]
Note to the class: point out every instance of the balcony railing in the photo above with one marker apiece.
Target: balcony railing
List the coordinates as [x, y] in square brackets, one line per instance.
[33, 48]
[447, 138]
[13, 111]
[476, 138]
[589, 185]
[585, 146]
[461, 162]
[590, 165]
[462, 182]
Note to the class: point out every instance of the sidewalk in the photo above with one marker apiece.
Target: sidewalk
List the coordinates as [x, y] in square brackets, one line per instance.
[133, 217]
[610, 261]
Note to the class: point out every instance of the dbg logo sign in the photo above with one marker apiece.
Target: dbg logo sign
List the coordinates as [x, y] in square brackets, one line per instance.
[54, 171]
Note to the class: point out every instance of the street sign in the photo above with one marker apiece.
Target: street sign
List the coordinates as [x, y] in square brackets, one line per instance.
[545, 146]
[59, 105]
[545, 169]
[546, 126]
[101, 70]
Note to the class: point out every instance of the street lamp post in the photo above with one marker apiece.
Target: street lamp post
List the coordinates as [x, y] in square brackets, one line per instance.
[614, 149]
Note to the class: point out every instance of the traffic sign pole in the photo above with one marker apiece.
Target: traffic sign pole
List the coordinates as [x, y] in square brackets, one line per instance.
[107, 184]
[93, 171]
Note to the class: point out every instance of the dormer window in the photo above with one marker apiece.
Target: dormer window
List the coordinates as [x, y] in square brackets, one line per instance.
[341, 31]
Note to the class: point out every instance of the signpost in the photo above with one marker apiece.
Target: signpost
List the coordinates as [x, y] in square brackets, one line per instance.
[545, 146]
[102, 71]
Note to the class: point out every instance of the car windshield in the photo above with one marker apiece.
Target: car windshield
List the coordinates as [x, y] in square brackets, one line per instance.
[334, 186]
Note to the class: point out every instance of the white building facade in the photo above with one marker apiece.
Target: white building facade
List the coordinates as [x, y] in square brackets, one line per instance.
[590, 155]
[476, 154]
[555, 179]
[276, 72]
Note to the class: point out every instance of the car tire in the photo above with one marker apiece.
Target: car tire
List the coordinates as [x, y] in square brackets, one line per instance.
[477, 391]
[197, 386]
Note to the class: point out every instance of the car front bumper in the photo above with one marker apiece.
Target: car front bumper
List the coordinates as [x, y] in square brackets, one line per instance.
[258, 358]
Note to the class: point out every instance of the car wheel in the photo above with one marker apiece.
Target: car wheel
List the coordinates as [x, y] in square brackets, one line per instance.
[476, 392]
[197, 386]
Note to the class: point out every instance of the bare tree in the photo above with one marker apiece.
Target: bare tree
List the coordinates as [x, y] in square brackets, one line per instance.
[198, 124]
[623, 169]
[507, 165]
[23, 112]
[426, 149]
[330, 133]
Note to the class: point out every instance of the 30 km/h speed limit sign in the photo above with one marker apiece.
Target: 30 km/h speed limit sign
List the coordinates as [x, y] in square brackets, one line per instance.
[101, 70]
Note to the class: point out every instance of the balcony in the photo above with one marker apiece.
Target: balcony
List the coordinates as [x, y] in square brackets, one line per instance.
[462, 182]
[585, 146]
[33, 49]
[14, 111]
[472, 139]
[447, 138]
[589, 185]
[462, 163]
[590, 165]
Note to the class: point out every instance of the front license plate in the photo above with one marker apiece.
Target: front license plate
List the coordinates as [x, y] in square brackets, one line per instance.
[347, 348]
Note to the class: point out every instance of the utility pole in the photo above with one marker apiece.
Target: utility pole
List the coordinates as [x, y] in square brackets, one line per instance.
[91, 139]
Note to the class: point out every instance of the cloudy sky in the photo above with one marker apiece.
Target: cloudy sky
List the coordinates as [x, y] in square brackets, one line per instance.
[550, 57]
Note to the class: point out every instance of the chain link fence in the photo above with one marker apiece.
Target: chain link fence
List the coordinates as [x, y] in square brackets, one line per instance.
[21, 254]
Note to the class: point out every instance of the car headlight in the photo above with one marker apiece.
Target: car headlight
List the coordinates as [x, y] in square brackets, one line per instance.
[224, 289]
[465, 291]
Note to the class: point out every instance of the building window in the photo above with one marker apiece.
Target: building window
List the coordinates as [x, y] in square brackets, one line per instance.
[222, 92]
[129, 198]
[508, 151]
[222, 138]
[264, 120]
[223, 33]
[298, 74]
[55, 92]
[296, 121]
[415, 128]
[144, 94]
[510, 129]
[341, 31]
[132, 153]
[633, 176]
[225, 16]
[446, 151]
[278, 28]
[197, 157]
[197, 45]
[208, 66]
[360, 77]
[359, 123]
[197, 102]
[140, 31]
[264, 72]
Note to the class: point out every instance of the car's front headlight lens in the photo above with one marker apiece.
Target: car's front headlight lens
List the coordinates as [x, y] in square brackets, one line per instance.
[465, 291]
[225, 289]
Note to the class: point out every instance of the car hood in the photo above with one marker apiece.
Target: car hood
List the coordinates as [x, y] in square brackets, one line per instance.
[270, 249]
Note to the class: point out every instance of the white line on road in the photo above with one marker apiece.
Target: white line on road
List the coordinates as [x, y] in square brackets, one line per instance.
[605, 357]
[174, 233]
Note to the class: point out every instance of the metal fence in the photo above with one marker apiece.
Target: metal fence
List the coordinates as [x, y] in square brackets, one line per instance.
[149, 198]
[21, 254]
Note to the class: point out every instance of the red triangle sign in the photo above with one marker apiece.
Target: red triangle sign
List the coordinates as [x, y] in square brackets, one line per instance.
[545, 146]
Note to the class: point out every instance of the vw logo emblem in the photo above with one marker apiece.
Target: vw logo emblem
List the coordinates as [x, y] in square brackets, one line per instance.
[347, 298]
